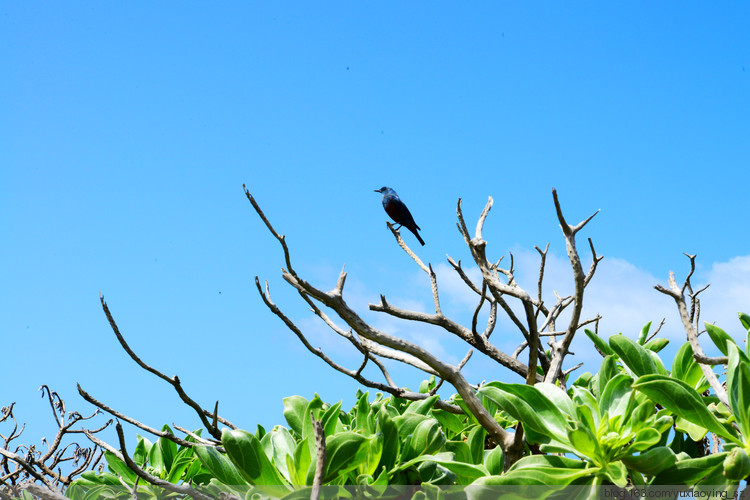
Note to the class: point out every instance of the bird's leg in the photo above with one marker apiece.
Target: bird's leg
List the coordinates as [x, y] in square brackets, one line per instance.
[397, 228]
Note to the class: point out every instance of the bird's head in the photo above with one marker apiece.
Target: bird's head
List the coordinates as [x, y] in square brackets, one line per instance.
[385, 190]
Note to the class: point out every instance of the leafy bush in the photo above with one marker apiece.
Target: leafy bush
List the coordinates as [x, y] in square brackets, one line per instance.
[633, 423]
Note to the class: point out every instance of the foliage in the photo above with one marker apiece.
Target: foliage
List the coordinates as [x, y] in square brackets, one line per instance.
[634, 423]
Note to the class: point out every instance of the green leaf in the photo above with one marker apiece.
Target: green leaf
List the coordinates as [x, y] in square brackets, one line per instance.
[118, 467]
[391, 442]
[428, 438]
[633, 355]
[584, 442]
[683, 401]
[656, 345]
[533, 477]
[494, 460]
[558, 397]
[584, 399]
[651, 462]
[363, 412]
[737, 464]
[695, 431]
[345, 452]
[617, 473]
[140, 455]
[691, 470]
[424, 406]
[181, 464]
[685, 368]
[168, 448]
[294, 412]
[600, 344]
[607, 371]
[299, 466]
[745, 320]
[312, 408]
[738, 387]
[330, 419]
[476, 444]
[719, 337]
[246, 453]
[645, 439]
[460, 449]
[219, 466]
[156, 459]
[617, 399]
[280, 444]
[465, 473]
[644, 334]
[452, 423]
[528, 405]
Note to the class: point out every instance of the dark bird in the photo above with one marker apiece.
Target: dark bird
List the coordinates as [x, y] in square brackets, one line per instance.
[398, 211]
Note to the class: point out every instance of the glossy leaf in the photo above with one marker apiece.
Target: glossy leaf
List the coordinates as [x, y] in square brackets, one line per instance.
[745, 320]
[644, 334]
[719, 337]
[475, 441]
[465, 473]
[118, 467]
[645, 439]
[246, 453]
[391, 442]
[345, 451]
[690, 471]
[607, 371]
[584, 442]
[651, 462]
[599, 343]
[298, 467]
[219, 466]
[312, 408]
[617, 396]
[450, 422]
[738, 388]
[617, 473]
[427, 439]
[683, 401]
[494, 460]
[424, 406]
[529, 405]
[656, 345]
[294, 412]
[277, 444]
[330, 419]
[461, 451]
[633, 355]
[684, 366]
[142, 449]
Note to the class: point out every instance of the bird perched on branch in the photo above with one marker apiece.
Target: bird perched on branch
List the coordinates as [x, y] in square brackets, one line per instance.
[398, 211]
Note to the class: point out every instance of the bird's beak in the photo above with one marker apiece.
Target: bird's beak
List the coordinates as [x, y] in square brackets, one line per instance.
[377, 191]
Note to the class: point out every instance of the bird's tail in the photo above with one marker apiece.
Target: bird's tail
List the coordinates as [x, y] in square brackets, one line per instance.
[418, 237]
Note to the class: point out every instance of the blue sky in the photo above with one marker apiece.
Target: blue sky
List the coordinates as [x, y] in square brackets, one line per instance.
[128, 130]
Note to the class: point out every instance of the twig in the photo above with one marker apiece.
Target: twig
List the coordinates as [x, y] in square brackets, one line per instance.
[173, 381]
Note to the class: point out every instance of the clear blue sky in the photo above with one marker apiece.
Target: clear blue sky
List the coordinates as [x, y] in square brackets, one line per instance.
[128, 129]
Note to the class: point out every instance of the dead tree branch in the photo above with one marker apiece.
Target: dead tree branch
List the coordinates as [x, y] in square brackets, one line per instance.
[690, 324]
[204, 415]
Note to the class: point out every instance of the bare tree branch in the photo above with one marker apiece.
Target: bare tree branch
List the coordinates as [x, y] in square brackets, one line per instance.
[677, 293]
[122, 454]
[560, 349]
[320, 453]
[334, 301]
[173, 381]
